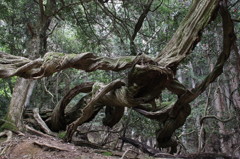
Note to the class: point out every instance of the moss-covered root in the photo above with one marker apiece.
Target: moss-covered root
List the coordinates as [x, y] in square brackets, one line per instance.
[7, 124]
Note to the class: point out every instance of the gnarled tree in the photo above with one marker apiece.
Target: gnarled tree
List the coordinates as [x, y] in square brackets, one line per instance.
[146, 80]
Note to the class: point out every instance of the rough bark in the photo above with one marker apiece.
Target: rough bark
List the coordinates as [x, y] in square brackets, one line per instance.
[17, 104]
[88, 110]
[53, 62]
[57, 120]
[146, 79]
[188, 34]
[40, 122]
[144, 148]
[219, 106]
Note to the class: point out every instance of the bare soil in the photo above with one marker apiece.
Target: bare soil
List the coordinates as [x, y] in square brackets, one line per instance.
[34, 147]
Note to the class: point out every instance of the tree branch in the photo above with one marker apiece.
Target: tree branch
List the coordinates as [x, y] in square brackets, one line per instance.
[188, 34]
[139, 25]
[54, 62]
[215, 117]
[88, 110]
[228, 42]
[58, 117]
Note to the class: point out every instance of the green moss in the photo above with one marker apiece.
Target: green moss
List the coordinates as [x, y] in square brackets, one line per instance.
[166, 104]
[127, 59]
[61, 134]
[97, 86]
[2, 139]
[8, 125]
[71, 55]
[52, 55]
[107, 153]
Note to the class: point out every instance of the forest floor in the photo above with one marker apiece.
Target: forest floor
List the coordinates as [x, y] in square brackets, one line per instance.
[28, 146]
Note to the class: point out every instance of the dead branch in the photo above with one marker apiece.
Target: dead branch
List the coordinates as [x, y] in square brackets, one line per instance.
[139, 25]
[125, 153]
[48, 147]
[144, 148]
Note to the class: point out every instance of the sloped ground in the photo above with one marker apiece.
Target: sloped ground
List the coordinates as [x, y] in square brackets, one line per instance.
[34, 147]
[28, 146]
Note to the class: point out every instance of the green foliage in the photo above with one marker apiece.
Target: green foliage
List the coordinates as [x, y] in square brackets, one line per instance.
[61, 134]
[140, 125]
[6, 88]
[89, 27]
[107, 153]
[7, 124]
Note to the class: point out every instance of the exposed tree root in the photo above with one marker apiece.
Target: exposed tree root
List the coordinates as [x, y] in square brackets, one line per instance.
[144, 148]
[7, 133]
[88, 110]
[87, 144]
[206, 156]
[48, 147]
[41, 123]
[145, 81]
[35, 132]
[128, 150]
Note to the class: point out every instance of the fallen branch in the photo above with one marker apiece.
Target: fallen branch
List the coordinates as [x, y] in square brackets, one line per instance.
[147, 149]
[47, 147]
[144, 148]
[124, 154]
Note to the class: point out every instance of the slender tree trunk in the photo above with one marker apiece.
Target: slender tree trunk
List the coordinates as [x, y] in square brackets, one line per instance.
[23, 89]
[36, 46]
[20, 98]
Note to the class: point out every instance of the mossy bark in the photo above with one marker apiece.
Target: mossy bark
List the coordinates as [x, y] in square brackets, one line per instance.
[145, 82]
[22, 90]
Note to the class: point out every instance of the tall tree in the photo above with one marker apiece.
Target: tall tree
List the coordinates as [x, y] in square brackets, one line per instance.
[146, 79]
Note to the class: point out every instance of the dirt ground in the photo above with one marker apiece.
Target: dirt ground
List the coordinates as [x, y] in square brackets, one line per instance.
[34, 147]
[27, 146]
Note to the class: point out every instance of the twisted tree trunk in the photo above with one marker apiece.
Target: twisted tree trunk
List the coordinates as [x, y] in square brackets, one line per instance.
[145, 82]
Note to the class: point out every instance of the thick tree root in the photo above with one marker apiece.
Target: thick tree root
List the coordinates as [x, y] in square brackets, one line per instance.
[88, 110]
[41, 123]
[35, 132]
[57, 120]
[48, 147]
[143, 147]
[6, 133]
[164, 135]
